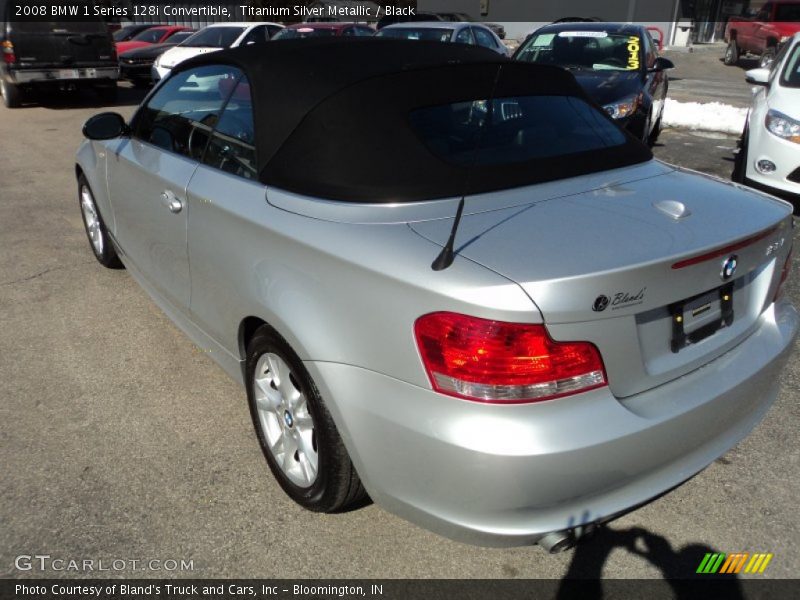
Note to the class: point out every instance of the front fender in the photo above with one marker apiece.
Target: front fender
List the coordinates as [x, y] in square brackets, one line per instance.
[91, 161]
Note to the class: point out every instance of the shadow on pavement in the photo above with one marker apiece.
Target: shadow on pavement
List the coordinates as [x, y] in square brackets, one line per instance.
[678, 566]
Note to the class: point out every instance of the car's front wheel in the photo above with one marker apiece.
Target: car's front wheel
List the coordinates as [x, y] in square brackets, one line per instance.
[295, 429]
[731, 53]
[95, 227]
[766, 60]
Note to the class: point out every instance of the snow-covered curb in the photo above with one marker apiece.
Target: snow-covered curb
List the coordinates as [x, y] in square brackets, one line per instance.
[712, 116]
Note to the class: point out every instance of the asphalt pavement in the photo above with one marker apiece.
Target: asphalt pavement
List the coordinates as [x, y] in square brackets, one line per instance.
[119, 439]
[701, 76]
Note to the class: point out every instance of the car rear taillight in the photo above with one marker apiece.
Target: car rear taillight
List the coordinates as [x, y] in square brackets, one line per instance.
[787, 268]
[8, 52]
[504, 363]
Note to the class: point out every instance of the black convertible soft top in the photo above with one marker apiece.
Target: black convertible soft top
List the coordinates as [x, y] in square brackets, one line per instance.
[332, 117]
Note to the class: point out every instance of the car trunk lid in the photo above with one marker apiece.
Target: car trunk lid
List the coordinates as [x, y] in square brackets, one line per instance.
[617, 265]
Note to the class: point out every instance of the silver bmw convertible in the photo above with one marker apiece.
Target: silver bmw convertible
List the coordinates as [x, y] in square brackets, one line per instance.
[446, 280]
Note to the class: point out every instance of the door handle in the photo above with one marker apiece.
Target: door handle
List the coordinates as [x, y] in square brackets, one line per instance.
[171, 201]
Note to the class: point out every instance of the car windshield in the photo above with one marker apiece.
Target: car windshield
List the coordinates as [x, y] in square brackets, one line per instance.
[304, 32]
[214, 37]
[122, 34]
[514, 129]
[428, 34]
[589, 50]
[178, 37]
[150, 36]
[791, 74]
[788, 12]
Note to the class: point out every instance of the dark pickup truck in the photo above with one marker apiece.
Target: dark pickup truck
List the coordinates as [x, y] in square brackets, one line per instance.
[762, 34]
[54, 55]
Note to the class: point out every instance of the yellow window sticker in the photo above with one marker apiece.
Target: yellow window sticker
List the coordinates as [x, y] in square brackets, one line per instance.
[633, 53]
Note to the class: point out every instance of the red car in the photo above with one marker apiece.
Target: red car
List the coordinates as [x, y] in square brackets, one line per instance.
[153, 35]
[764, 33]
[324, 29]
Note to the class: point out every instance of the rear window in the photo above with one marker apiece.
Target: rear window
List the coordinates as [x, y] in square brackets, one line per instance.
[512, 130]
[150, 36]
[787, 12]
[214, 37]
[426, 34]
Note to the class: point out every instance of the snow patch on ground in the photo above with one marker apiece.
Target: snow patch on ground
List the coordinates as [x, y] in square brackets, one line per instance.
[712, 116]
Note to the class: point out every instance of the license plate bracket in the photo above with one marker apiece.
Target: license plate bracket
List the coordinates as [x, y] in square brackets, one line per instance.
[696, 318]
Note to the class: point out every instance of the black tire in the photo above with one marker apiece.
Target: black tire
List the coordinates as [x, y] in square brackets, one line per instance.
[336, 485]
[731, 53]
[12, 95]
[651, 141]
[767, 58]
[104, 252]
[739, 174]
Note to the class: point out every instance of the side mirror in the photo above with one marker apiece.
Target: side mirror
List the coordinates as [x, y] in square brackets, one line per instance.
[662, 64]
[105, 126]
[757, 76]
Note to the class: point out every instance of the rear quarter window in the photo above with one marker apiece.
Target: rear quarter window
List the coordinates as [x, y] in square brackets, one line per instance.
[513, 130]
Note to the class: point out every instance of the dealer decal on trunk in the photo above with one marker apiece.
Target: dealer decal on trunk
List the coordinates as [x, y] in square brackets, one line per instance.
[618, 300]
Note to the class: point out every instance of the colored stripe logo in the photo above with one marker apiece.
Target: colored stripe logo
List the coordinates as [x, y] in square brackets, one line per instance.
[738, 562]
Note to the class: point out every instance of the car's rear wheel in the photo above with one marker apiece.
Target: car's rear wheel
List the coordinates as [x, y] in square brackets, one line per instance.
[295, 430]
[95, 227]
[12, 95]
[651, 141]
[731, 53]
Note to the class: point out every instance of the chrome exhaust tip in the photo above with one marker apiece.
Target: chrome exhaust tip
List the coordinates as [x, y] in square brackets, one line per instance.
[557, 541]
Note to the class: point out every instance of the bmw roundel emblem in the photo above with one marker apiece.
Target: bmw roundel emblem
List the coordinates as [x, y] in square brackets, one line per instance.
[728, 267]
[600, 303]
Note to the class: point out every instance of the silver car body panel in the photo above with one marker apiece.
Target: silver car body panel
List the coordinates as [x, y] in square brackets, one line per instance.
[344, 284]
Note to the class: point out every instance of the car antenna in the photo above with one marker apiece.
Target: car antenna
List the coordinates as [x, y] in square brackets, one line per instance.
[447, 255]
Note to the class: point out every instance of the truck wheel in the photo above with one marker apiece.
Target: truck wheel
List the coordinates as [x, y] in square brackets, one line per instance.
[12, 96]
[766, 60]
[731, 53]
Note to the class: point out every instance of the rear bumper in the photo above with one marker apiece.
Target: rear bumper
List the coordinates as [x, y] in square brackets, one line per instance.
[506, 475]
[82, 74]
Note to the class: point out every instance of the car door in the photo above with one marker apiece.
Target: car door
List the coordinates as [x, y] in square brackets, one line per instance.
[228, 205]
[149, 172]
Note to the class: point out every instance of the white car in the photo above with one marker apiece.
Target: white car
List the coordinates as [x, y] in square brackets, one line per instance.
[212, 38]
[769, 157]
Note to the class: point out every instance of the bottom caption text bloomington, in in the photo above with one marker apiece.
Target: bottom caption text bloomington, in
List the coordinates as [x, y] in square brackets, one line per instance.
[191, 590]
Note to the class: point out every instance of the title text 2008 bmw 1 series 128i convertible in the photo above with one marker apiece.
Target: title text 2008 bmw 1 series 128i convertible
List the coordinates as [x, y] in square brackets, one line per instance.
[446, 279]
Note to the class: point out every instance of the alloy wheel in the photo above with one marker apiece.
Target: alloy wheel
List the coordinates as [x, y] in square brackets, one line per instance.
[92, 220]
[285, 420]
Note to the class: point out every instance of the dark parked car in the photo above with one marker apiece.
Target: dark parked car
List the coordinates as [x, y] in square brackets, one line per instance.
[55, 54]
[123, 34]
[617, 64]
[324, 29]
[136, 65]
